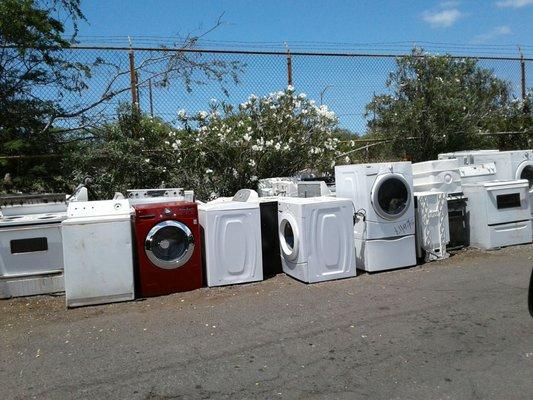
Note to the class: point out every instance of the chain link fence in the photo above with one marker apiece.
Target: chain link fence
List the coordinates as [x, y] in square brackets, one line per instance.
[345, 83]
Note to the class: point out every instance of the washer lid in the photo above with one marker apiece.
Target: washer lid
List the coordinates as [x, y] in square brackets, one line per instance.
[228, 205]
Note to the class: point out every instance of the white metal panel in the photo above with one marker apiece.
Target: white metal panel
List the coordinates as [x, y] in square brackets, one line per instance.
[509, 234]
[384, 254]
[98, 262]
[432, 226]
[31, 285]
[437, 176]
[333, 252]
[96, 210]
[232, 238]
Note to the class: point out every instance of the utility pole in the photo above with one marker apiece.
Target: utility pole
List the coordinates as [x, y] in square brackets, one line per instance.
[289, 65]
[133, 78]
[522, 73]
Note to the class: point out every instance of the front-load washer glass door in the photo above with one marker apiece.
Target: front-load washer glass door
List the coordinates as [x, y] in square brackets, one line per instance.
[288, 237]
[391, 196]
[169, 244]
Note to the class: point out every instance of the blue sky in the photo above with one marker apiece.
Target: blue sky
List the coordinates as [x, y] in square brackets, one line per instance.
[460, 27]
[466, 22]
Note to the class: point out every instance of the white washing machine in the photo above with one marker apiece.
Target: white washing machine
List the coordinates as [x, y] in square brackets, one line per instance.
[316, 238]
[384, 230]
[98, 253]
[231, 232]
[499, 213]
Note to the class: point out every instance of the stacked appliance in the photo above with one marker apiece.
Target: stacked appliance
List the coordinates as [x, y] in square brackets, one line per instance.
[507, 165]
[31, 250]
[384, 230]
[499, 213]
[168, 247]
[232, 240]
[280, 186]
[316, 238]
[98, 253]
[315, 188]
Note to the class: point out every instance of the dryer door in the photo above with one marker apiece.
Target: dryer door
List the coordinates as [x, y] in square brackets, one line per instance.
[391, 196]
[169, 244]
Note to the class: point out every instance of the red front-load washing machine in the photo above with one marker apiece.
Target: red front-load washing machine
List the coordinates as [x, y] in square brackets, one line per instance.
[168, 248]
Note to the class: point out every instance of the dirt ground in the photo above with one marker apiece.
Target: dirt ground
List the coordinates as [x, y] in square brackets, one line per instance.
[453, 329]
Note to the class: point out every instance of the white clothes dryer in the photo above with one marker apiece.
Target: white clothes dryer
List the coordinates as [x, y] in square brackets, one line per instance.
[316, 238]
[98, 252]
[231, 232]
[384, 230]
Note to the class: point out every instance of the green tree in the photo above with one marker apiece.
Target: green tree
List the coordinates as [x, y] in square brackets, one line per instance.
[33, 70]
[38, 127]
[441, 103]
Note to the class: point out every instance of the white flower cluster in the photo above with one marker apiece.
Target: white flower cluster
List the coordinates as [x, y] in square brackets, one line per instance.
[182, 114]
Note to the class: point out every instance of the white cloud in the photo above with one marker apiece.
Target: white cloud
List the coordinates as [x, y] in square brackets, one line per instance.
[492, 34]
[513, 3]
[442, 19]
[449, 4]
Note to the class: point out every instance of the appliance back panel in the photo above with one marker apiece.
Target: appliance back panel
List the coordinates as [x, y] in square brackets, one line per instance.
[270, 239]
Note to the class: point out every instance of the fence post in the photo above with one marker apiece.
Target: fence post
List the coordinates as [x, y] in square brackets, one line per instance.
[522, 74]
[289, 67]
[150, 97]
[133, 79]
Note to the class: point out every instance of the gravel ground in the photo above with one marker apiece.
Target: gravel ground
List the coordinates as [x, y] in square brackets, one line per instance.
[454, 329]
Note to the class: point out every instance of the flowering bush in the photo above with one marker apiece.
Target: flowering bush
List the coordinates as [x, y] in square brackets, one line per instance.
[229, 148]
[215, 152]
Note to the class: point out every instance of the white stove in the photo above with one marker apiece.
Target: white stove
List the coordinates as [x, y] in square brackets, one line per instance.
[499, 213]
[31, 250]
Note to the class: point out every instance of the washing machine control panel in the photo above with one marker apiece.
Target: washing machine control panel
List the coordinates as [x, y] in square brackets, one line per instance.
[166, 210]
